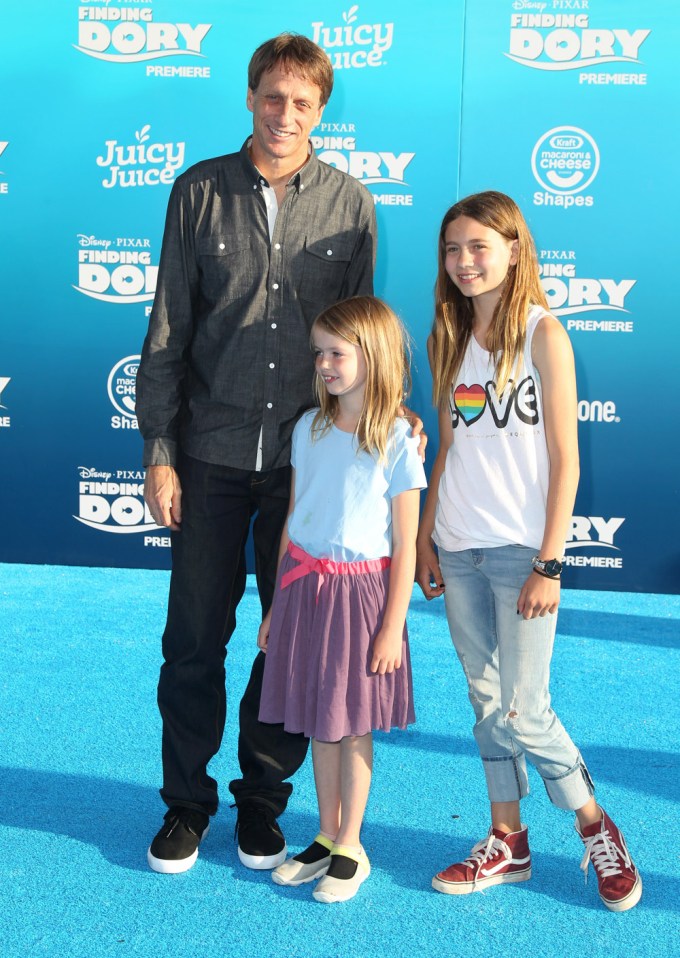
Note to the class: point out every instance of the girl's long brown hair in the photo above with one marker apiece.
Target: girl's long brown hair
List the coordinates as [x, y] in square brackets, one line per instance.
[453, 315]
[367, 322]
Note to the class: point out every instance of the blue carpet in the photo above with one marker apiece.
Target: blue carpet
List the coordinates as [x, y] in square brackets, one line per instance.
[79, 772]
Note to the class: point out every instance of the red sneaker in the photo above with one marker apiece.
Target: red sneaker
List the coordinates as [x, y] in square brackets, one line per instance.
[497, 860]
[618, 880]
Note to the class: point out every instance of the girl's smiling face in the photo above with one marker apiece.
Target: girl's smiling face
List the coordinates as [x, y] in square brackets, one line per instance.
[477, 258]
[340, 364]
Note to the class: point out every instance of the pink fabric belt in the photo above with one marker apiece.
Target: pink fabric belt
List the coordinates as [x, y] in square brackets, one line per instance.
[324, 567]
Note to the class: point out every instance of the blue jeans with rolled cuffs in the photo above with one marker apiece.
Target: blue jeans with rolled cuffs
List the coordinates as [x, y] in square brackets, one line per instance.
[506, 660]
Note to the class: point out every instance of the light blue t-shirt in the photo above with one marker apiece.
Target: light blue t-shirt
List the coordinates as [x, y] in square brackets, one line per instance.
[342, 507]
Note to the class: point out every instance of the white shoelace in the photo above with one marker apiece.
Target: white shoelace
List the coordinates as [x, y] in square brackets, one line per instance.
[484, 850]
[605, 854]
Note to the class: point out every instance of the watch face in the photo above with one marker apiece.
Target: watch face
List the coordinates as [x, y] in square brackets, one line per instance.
[553, 567]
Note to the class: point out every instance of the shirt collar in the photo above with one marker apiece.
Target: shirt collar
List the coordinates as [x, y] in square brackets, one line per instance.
[300, 180]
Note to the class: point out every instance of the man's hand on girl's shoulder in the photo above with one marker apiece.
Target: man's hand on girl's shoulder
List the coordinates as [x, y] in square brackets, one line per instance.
[416, 424]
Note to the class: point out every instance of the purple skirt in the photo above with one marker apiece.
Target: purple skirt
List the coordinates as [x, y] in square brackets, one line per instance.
[316, 678]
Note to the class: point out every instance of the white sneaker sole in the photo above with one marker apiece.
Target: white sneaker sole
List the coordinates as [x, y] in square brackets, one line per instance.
[467, 887]
[629, 902]
[174, 866]
[331, 889]
[263, 862]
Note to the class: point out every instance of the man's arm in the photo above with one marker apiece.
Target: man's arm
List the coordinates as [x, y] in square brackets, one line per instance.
[163, 365]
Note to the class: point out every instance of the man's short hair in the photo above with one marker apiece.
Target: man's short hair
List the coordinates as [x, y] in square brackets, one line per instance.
[297, 54]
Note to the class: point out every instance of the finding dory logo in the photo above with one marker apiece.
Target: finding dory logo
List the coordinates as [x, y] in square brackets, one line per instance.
[565, 41]
[130, 35]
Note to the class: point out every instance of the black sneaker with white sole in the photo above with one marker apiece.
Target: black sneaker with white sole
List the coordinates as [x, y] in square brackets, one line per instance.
[261, 843]
[175, 847]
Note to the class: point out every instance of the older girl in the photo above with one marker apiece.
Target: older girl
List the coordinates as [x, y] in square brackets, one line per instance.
[498, 509]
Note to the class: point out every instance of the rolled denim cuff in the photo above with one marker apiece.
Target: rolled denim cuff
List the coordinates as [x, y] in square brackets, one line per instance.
[571, 790]
[506, 778]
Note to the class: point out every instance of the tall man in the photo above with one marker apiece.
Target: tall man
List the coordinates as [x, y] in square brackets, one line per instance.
[256, 244]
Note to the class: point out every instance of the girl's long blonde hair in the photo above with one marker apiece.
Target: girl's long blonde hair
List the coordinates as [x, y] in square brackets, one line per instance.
[453, 315]
[367, 322]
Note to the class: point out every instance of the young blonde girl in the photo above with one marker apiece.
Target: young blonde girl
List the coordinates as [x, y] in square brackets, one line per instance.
[337, 655]
[500, 501]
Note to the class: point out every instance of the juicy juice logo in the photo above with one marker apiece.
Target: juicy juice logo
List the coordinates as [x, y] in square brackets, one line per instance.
[130, 35]
[141, 164]
[469, 403]
[565, 41]
[353, 45]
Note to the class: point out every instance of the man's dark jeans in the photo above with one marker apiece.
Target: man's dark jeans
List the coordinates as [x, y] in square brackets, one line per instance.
[207, 583]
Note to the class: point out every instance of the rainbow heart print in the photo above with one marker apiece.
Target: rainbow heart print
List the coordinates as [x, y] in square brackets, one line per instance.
[470, 402]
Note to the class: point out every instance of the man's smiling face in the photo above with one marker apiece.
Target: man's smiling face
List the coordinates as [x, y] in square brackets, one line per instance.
[285, 109]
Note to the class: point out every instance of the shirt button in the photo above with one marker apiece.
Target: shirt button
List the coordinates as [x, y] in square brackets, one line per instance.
[329, 252]
[269, 405]
[302, 186]
[277, 246]
[221, 245]
[275, 285]
[273, 325]
[271, 365]
[254, 186]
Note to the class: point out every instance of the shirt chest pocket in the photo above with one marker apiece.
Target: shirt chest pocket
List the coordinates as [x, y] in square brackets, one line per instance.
[325, 263]
[228, 267]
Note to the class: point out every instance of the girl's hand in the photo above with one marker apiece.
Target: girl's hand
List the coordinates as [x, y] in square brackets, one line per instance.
[263, 632]
[539, 596]
[387, 650]
[428, 573]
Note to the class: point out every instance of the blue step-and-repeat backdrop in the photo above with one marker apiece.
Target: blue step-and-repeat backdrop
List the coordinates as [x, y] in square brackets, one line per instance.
[567, 105]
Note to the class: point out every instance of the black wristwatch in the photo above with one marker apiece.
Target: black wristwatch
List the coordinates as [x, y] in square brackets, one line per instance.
[551, 568]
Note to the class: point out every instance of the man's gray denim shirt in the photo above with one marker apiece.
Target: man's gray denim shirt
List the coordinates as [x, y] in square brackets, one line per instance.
[227, 353]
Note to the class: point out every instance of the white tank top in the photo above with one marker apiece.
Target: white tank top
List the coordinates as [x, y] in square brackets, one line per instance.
[494, 486]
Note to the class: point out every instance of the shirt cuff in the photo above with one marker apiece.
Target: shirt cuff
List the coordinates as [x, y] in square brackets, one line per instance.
[160, 452]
